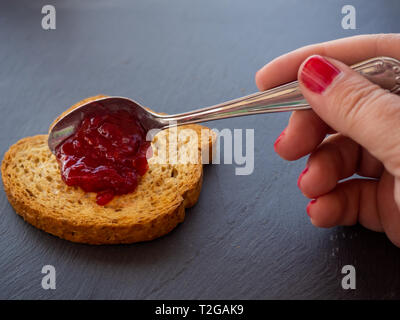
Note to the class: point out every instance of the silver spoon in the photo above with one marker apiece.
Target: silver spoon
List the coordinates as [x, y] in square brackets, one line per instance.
[383, 71]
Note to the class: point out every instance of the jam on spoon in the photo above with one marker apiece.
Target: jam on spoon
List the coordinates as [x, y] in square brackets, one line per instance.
[106, 154]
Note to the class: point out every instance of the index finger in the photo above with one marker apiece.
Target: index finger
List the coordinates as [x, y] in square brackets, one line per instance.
[348, 50]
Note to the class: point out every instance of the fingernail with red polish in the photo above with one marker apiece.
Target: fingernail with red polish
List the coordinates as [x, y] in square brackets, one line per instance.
[309, 206]
[301, 176]
[318, 73]
[279, 138]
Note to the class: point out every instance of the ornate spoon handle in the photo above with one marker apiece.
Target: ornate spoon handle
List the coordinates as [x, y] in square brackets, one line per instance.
[383, 71]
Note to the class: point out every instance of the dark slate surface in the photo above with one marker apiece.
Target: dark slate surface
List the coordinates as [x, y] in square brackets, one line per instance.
[249, 236]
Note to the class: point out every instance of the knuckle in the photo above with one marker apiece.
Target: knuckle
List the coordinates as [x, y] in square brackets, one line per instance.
[387, 41]
[363, 107]
[353, 100]
[392, 159]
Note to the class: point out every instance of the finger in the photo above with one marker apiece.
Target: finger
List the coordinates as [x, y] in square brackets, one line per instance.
[335, 159]
[354, 106]
[284, 68]
[388, 209]
[303, 134]
[351, 201]
[368, 165]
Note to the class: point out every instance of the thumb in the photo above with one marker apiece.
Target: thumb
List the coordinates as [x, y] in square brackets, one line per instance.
[355, 107]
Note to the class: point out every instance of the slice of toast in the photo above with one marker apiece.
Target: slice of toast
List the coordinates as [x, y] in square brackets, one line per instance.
[33, 184]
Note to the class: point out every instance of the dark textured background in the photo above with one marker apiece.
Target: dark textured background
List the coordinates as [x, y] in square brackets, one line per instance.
[249, 236]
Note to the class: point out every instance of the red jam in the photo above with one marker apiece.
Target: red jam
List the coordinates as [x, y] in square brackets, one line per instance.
[106, 155]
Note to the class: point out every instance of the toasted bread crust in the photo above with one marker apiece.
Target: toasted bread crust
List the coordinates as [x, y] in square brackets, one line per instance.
[92, 232]
[34, 188]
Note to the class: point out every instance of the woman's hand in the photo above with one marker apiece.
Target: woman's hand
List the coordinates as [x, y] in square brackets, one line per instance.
[364, 123]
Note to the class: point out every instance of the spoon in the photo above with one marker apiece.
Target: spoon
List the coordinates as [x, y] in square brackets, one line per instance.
[383, 71]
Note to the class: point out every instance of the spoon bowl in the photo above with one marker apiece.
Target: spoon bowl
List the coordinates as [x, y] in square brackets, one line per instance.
[70, 122]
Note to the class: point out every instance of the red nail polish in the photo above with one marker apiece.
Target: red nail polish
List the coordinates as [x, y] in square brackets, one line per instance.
[309, 205]
[318, 73]
[301, 176]
[279, 138]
